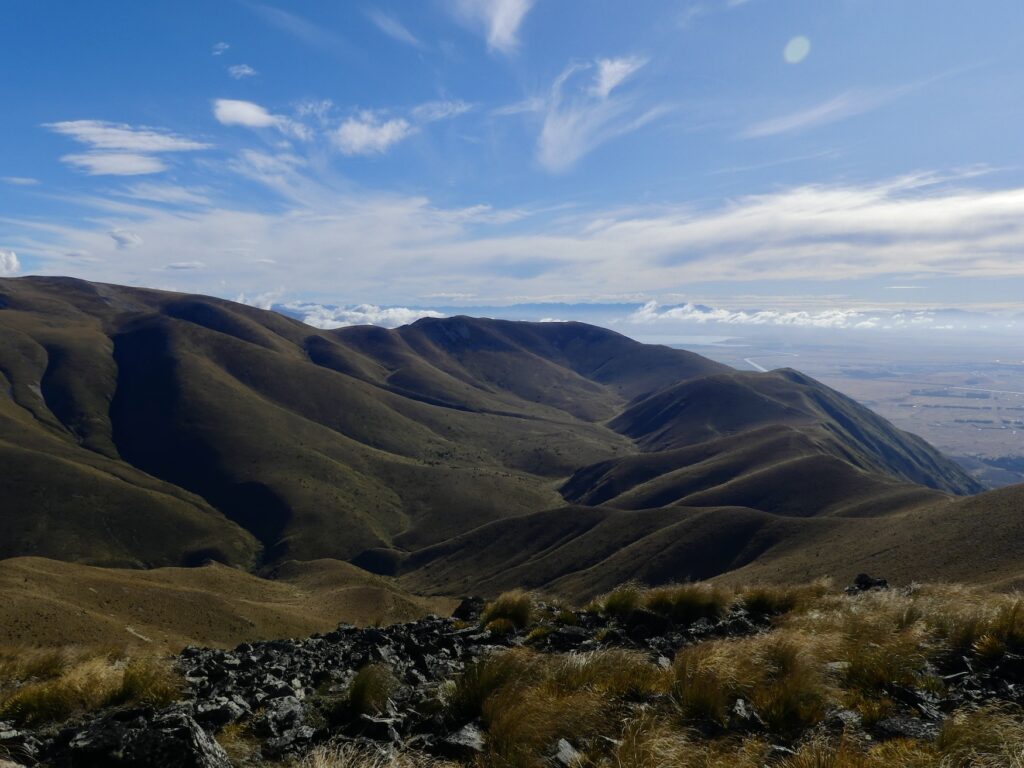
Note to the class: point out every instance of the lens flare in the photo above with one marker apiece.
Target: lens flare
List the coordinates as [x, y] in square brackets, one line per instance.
[796, 50]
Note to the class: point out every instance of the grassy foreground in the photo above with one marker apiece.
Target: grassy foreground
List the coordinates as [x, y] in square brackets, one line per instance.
[813, 690]
[830, 668]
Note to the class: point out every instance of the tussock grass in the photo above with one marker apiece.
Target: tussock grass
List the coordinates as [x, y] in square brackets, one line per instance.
[686, 603]
[621, 602]
[484, 678]
[22, 664]
[370, 690]
[45, 687]
[991, 736]
[515, 607]
[527, 701]
[702, 684]
[780, 675]
[500, 627]
[767, 600]
[352, 756]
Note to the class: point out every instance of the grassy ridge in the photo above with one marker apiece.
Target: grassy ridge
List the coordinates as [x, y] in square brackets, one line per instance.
[50, 604]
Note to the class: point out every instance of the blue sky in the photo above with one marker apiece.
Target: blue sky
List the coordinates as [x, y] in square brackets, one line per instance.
[780, 155]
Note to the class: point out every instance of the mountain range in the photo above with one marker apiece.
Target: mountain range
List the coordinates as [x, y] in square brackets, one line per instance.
[141, 429]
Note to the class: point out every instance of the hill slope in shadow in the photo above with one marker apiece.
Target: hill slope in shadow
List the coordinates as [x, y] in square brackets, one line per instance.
[147, 428]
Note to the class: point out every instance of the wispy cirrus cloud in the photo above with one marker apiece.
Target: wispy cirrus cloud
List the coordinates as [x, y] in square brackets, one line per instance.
[845, 105]
[613, 72]
[20, 181]
[432, 111]
[115, 163]
[849, 103]
[926, 225]
[580, 116]
[119, 149]
[498, 20]
[219, 49]
[393, 28]
[241, 71]
[171, 194]
[302, 29]
[120, 137]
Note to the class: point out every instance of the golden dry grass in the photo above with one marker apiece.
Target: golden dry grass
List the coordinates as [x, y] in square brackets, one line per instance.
[514, 607]
[370, 689]
[352, 756]
[824, 651]
[43, 686]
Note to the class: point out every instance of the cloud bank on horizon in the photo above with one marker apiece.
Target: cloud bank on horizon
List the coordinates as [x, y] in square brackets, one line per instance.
[355, 162]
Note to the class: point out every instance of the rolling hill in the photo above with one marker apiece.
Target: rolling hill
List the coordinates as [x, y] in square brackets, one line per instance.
[149, 429]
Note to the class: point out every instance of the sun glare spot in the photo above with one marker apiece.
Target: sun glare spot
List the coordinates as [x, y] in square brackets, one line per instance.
[796, 50]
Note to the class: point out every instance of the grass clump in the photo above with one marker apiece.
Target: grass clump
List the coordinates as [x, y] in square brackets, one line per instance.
[777, 675]
[621, 602]
[701, 690]
[687, 603]
[501, 627]
[768, 600]
[353, 756]
[370, 690]
[515, 607]
[990, 736]
[528, 701]
[789, 693]
[484, 678]
[86, 682]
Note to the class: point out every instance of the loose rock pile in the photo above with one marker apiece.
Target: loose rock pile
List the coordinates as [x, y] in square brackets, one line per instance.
[290, 693]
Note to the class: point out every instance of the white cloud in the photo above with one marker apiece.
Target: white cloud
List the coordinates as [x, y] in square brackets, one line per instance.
[855, 318]
[526, 106]
[20, 181]
[120, 137]
[261, 301]
[244, 113]
[579, 119]
[393, 28]
[234, 112]
[612, 72]
[118, 149]
[186, 265]
[330, 241]
[847, 104]
[125, 238]
[220, 49]
[367, 133]
[115, 163]
[170, 194]
[9, 264]
[651, 312]
[440, 110]
[499, 20]
[241, 71]
[326, 317]
[301, 29]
